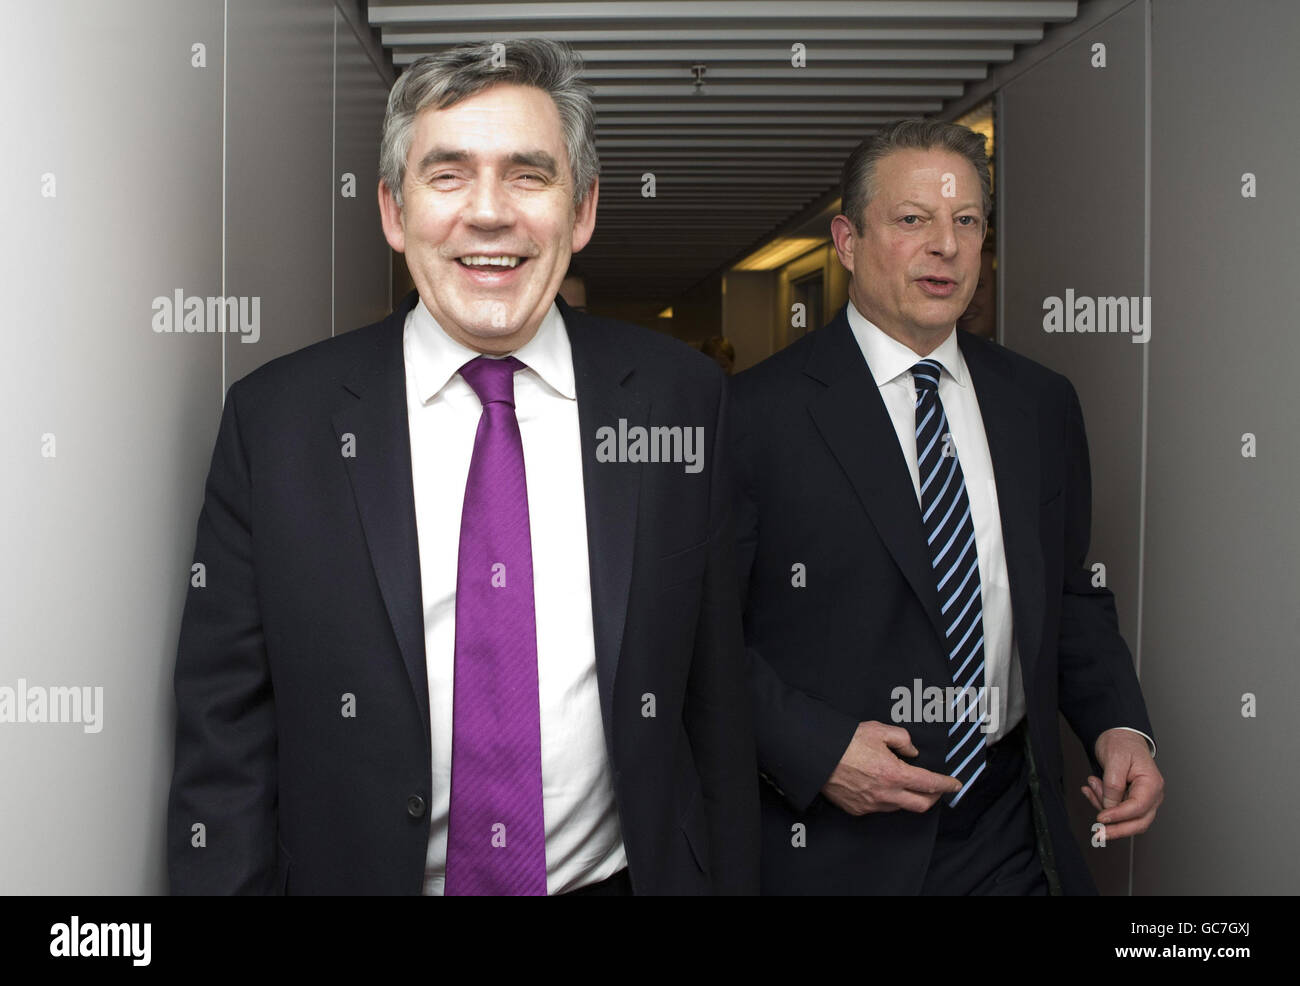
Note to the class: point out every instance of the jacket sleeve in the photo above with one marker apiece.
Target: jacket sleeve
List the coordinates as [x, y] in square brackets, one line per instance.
[221, 815]
[717, 712]
[800, 739]
[1099, 688]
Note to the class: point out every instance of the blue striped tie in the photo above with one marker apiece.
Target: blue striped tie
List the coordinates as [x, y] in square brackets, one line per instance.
[950, 535]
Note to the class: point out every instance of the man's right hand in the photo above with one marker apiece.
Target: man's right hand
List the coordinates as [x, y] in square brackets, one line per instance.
[870, 777]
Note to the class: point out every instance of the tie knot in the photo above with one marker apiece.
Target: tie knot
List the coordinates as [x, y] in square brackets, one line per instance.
[492, 379]
[925, 375]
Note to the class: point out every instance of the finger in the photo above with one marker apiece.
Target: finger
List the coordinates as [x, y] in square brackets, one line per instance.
[1141, 801]
[1092, 798]
[1123, 812]
[897, 738]
[1125, 829]
[922, 781]
[1094, 785]
[1115, 780]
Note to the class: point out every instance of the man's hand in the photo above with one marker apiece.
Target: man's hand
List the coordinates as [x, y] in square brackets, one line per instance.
[1133, 787]
[870, 778]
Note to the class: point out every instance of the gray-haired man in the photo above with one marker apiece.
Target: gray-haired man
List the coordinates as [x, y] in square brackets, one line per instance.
[445, 645]
[933, 492]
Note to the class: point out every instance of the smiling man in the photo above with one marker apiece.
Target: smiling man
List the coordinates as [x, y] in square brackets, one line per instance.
[914, 510]
[490, 213]
[444, 647]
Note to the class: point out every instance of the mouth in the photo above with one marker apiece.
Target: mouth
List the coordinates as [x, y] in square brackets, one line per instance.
[483, 261]
[938, 287]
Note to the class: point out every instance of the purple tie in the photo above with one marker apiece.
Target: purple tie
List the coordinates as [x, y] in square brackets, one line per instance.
[496, 835]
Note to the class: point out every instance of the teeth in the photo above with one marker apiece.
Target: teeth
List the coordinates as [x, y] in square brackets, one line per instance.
[490, 261]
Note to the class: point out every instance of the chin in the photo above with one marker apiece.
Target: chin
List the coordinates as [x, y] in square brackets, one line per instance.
[939, 321]
[490, 332]
[488, 317]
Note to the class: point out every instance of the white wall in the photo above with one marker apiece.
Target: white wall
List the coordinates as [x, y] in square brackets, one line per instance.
[129, 173]
[1127, 180]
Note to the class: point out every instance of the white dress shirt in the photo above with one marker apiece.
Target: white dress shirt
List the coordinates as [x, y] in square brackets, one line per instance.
[891, 363]
[583, 839]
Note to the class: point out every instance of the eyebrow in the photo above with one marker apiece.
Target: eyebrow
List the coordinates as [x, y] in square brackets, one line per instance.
[919, 205]
[528, 159]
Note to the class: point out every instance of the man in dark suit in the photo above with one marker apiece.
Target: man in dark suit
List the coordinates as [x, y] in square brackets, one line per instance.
[469, 621]
[913, 526]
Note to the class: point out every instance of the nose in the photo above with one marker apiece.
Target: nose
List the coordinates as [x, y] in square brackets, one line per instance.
[943, 239]
[488, 204]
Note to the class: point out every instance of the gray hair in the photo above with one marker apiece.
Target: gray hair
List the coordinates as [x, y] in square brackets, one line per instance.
[444, 79]
[858, 179]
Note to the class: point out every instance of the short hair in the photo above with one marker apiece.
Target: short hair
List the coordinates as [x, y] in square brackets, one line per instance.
[858, 177]
[444, 79]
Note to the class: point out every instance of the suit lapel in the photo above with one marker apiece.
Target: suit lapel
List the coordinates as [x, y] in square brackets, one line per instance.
[372, 407]
[1012, 435]
[855, 424]
[603, 379]
[849, 414]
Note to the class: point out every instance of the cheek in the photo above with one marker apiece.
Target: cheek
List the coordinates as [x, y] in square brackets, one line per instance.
[552, 231]
[888, 270]
[429, 229]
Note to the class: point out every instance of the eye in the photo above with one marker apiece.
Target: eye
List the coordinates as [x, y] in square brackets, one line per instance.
[907, 217]
[973, 220]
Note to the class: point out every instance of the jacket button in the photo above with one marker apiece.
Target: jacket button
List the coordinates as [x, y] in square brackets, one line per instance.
[415, 806]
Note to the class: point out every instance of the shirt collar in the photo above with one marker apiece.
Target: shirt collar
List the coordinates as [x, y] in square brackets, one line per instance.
[888, 359]
[438, 357]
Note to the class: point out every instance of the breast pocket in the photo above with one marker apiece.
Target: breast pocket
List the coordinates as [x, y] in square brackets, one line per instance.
[681, 567]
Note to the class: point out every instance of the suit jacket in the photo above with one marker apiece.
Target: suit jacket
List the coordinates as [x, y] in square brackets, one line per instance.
[313, 592]
[822, 481]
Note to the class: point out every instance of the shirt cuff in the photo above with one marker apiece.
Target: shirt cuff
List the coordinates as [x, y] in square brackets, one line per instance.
[1150, 742]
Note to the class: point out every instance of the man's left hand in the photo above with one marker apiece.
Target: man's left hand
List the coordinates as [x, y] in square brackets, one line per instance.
[1127, 799]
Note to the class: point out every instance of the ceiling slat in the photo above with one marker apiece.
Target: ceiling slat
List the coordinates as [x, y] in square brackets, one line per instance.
[788, 89]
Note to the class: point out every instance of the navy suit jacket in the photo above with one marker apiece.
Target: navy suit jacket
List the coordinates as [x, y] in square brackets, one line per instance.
[313, 592]
[821, 481]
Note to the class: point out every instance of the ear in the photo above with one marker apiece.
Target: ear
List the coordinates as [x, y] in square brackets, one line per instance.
[843, 236]
[584, 218]
[390, 214]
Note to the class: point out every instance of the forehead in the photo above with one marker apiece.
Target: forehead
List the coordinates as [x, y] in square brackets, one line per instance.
[911, 173]
[503, 118]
